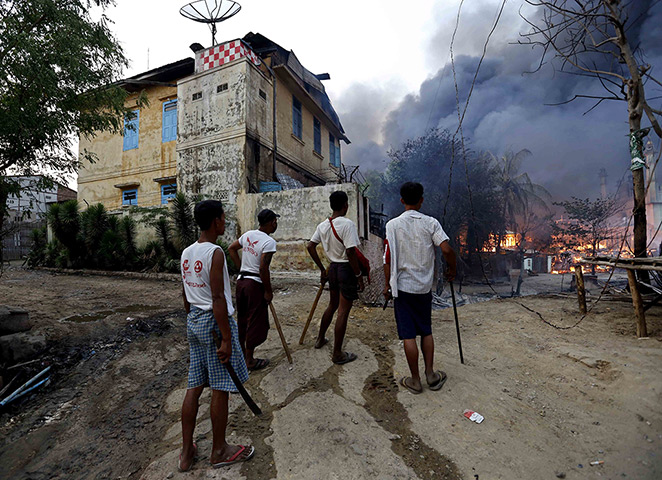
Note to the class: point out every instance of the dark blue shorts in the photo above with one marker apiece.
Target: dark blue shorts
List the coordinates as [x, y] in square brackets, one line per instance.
[413, 314]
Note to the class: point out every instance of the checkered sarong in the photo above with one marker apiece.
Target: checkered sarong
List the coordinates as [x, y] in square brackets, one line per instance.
[205, 368]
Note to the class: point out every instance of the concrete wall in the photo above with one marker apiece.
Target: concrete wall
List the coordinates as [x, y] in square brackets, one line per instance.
[152, 159]
[301, 211]
[212, 136]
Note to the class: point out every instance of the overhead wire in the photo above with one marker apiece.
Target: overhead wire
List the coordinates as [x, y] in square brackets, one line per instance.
[459, 130]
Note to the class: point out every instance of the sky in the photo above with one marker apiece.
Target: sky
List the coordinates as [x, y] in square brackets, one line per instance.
[391, 80]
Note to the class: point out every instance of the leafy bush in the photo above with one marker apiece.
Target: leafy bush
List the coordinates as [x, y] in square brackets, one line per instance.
[94, 238]
[37, 254]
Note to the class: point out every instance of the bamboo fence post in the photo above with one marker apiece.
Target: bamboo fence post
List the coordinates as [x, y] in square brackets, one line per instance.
[638, 305]
[581, 290]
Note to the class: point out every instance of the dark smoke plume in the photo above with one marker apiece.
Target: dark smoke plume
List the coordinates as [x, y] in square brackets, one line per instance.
[508, 108]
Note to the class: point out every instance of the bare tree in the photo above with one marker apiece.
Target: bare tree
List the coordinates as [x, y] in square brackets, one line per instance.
[590, 38]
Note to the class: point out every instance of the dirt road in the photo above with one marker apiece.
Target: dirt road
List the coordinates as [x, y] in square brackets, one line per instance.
[553, 400]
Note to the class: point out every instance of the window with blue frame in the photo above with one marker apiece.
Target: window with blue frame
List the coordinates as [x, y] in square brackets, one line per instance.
[332, 150]
[131, 131]
[317, 129]
[338, 155]
[169, 121]
[296, 117]
[168, 191]
[130, 197]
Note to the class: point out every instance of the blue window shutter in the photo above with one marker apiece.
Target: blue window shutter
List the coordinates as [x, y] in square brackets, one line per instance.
[169, 121]
[168, 192]
[338, 155]
[332, 150]
[317, 128]
[130, 197]
[131, 135]
[296, 117]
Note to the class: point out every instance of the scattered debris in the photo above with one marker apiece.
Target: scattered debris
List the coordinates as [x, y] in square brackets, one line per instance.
[597, 462]
[27, 387]
[474, 416]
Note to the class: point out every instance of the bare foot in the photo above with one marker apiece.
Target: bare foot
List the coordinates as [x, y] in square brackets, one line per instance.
[186, 458]
[321, 342]
[231, 453]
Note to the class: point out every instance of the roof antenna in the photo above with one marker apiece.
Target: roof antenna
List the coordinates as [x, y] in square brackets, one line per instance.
[210, 12]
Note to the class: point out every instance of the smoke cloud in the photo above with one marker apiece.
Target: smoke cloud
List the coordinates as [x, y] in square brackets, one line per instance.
[508, 108]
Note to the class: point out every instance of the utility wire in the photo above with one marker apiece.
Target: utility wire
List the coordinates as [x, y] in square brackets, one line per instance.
[461, 116]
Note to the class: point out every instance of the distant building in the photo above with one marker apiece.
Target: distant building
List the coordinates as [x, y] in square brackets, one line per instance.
[244, 116]
[28, 211]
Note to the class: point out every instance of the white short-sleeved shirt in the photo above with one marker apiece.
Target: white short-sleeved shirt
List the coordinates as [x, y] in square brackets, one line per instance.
[196, 266]
[253, 244]
[411, 239]
[336, 251]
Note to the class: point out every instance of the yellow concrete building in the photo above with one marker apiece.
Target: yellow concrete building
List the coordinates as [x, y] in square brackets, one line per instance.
[139, 168]
[241, 117]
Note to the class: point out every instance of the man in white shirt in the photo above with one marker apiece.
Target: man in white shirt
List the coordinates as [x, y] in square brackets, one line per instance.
[409, 258]
[254, 291]
[208, 303]
[339, 238]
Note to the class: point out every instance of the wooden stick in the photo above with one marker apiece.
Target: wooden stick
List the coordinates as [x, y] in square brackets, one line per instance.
[280, 332]
[638, 305]
[310, 316]
[581, 290]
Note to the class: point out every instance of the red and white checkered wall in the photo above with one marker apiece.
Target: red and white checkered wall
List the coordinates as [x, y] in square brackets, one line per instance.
[224, 53]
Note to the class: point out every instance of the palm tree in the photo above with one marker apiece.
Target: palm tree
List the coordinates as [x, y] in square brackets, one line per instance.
[519, 196]
[181, 214]
[518, 192]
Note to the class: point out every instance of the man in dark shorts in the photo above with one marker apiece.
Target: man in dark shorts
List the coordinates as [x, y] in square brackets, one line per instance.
[409, 272]
[254, 291]
[339, 238]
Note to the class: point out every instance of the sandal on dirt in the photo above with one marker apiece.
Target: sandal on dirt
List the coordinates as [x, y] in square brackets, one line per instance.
[324, 342]
[260, 363]
[439, 383]
[195, 457]
[346, 358]
[403, 382]
[235, 458]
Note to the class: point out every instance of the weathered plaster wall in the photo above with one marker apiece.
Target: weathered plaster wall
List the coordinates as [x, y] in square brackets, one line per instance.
[214, 171]
[301, 211]
[212, 137]
[152, 159]
[301, 151]
[215, 115]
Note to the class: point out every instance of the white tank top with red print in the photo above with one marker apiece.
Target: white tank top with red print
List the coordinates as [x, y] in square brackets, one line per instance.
[196, 265]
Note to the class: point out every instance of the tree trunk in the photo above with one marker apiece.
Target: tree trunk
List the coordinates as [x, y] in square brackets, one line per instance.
[636, 100]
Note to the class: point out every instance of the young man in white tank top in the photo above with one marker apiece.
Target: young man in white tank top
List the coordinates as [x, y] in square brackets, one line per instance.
[208, 302]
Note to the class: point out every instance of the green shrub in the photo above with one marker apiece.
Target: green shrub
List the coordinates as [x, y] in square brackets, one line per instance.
[37, 253]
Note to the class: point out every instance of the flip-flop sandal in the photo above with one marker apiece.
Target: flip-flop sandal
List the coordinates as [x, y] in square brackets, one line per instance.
[403, 382]
[324, 342]
[235, 458]
[195, 457]
[439, 383]
[347, 357]
[260, 363]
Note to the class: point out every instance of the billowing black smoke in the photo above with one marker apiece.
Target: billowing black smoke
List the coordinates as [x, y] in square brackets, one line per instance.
[508, 108]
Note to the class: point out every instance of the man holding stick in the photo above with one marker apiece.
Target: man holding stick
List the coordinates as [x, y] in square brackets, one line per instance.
[254, 291]
[409, 257]
[339, 238]
[208, 303]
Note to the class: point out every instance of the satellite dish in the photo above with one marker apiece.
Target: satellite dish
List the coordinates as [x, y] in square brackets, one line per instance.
[210, 12]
